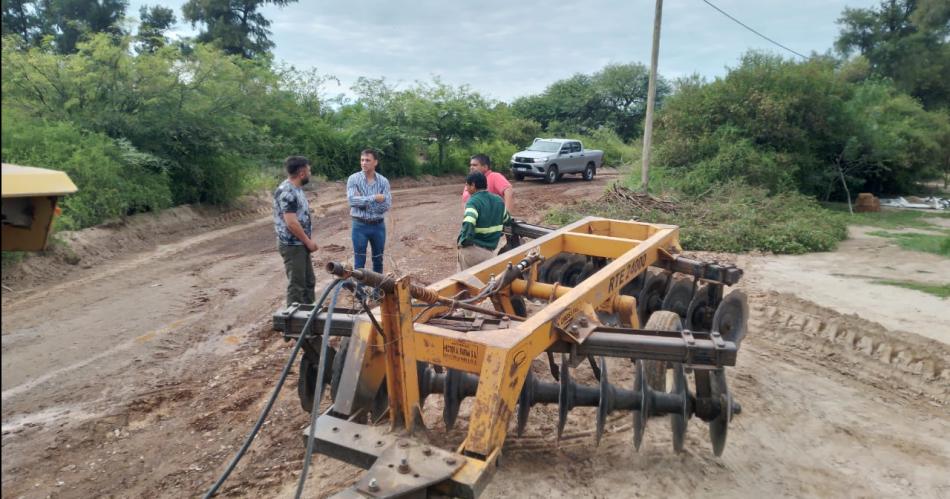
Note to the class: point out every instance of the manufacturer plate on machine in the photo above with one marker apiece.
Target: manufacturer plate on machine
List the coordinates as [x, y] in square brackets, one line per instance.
[462, 354]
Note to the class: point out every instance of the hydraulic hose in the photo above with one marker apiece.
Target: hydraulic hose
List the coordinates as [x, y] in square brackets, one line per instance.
[280, 384]
[318, 390]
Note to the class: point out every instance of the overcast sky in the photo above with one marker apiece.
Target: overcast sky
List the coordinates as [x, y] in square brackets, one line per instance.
[509, 48]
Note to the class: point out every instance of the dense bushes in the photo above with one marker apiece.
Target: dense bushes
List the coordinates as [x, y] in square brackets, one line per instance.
[785, 125]
[114, 178]
[734, 217]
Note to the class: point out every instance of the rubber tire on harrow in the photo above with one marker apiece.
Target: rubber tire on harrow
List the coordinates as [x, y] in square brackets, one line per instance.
[650, 298]
[678, 297]
[655, 370]
[307, 381]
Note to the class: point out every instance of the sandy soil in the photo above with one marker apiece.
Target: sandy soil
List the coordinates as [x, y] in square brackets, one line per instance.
[845, 280]
[139, 371]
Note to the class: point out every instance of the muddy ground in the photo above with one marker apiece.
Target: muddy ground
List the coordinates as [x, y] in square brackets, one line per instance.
[135, 365]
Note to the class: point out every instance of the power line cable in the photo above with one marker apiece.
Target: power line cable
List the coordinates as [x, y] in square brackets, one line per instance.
[740, 23]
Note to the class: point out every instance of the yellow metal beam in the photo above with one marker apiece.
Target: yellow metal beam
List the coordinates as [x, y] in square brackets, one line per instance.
[594, 245]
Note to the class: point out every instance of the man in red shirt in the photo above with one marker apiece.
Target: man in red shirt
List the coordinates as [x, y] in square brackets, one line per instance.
[497, 183]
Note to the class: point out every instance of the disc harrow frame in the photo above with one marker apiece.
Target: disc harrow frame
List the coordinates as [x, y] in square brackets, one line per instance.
[463, 338]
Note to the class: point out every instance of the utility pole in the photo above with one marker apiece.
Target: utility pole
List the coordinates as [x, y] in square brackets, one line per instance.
[651, 99]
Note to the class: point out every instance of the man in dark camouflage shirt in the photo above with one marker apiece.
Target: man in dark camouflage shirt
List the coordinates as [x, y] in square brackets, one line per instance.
[293, 226]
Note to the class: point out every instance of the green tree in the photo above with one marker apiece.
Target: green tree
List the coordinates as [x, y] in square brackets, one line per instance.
[442, 114]
[614, 97]
[905, 40]
[154, 22]
[72, 20]
[24, 19]
[235, 26]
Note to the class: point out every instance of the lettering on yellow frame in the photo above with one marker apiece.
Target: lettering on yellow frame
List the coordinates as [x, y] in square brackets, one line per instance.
[462, 354]
[629, 271]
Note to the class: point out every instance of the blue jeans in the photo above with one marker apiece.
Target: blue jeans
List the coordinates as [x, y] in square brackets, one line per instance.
[375, 235]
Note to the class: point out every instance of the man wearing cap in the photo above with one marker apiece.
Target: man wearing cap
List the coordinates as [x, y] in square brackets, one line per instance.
[485, 217]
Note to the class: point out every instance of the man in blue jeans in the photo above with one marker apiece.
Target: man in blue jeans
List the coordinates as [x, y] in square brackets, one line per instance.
[368, 194]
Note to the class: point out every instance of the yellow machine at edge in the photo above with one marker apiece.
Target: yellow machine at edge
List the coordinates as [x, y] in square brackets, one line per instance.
[30, 199]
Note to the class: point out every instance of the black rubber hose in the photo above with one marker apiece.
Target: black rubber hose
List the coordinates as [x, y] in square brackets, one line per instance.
[318, 391]
[280, 384]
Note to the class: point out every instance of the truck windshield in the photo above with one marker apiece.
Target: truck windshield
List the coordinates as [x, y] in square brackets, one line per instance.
[545, 146]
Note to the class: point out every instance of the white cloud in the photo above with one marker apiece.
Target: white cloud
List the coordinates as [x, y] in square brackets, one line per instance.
[507, 48]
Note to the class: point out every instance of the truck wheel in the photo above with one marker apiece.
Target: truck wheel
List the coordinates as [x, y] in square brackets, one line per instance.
[552, 175]
[589, 172]
[519, 177]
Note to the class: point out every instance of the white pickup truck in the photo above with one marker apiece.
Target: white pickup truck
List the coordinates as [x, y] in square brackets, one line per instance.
[552, 158]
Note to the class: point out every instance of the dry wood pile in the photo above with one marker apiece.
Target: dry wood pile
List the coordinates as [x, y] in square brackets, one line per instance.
[618, 194]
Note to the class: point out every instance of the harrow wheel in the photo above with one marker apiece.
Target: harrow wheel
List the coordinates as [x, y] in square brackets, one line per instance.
[307, 383]
[650, 298]
[731, 317]
[655, 370]
[678, 297]
[679, 420]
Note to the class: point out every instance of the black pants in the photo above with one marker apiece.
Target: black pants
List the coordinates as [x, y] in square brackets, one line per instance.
[300, 277]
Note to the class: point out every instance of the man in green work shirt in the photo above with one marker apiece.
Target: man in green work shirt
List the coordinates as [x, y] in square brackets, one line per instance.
[485, 217]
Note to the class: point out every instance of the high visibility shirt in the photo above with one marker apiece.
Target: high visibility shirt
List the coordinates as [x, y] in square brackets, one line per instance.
[485, 217]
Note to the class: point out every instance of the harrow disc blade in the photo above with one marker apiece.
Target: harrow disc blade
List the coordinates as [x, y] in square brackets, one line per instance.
[678, 297]
[550, 270]
[606, 402]
[339, 359]
[641, 416]
[651, 295]
[452, 397]
[573, 272]
[633, 287]
[525, 401]
[307, 383]
[680, 419]
[719, 427]
[565, 399]
[701, 309]
[732, 316]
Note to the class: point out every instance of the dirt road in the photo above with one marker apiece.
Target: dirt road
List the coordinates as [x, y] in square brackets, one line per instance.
[140, 371]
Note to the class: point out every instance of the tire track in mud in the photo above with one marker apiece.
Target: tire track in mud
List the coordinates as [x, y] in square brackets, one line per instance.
[854, 346]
